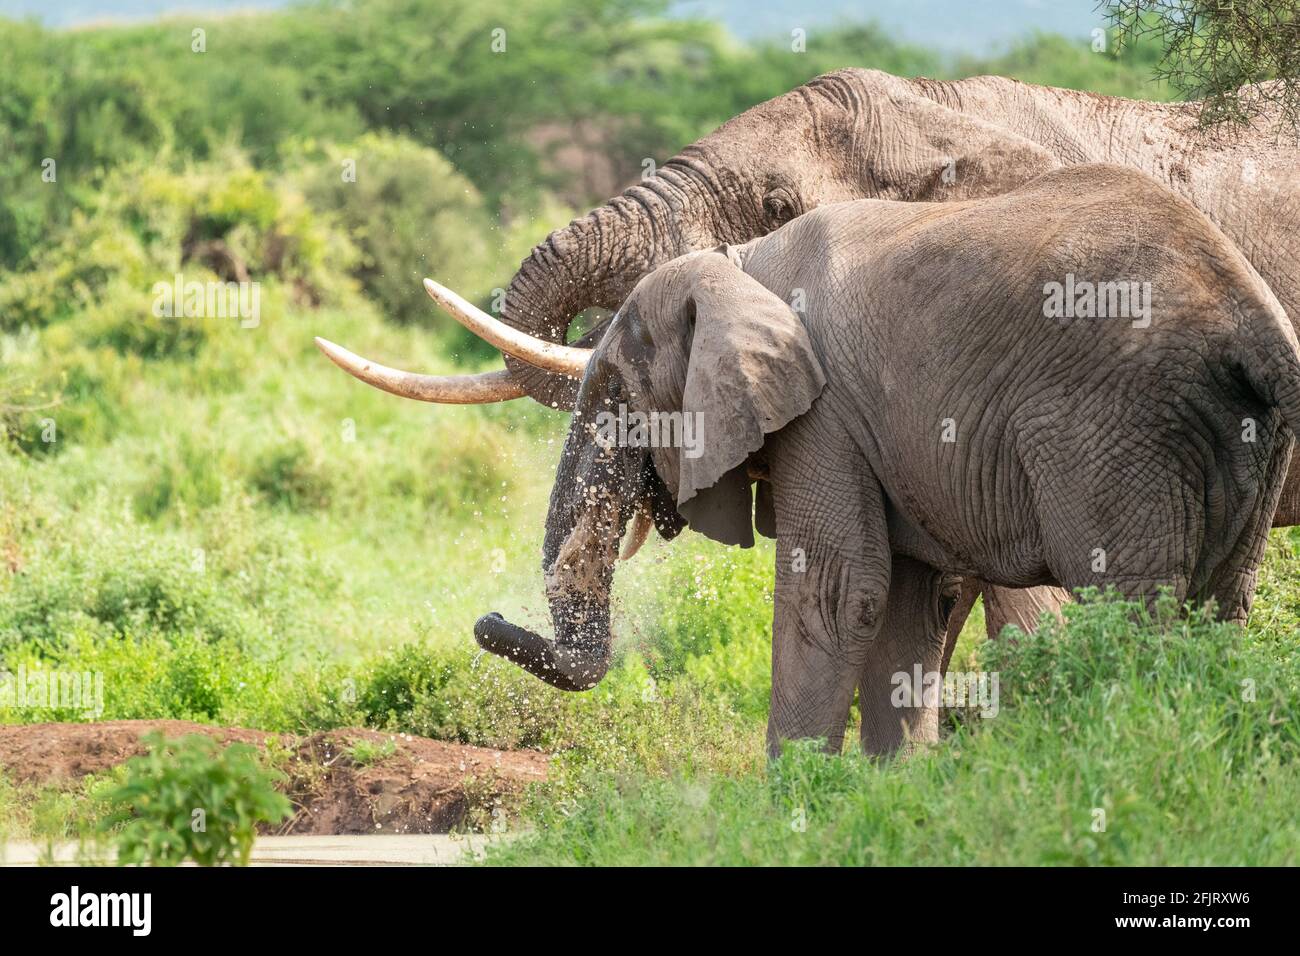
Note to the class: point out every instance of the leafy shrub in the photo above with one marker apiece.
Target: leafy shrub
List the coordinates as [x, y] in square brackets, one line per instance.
[74, 396]
[125, 323]
[73, 269]
[713, 619]
[114, 587]
[223, 219]
[189, 800]
[411, 676]
[26, 408]
[288, 473]
[160, 676]
[411, 214]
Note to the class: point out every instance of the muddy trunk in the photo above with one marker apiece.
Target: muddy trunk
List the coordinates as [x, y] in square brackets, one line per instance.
[585, 519]
[576, 660]
[579, 656]
[592, 263]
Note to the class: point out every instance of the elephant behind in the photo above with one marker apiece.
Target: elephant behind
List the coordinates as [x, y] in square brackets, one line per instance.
[856, 134]
[935, 408]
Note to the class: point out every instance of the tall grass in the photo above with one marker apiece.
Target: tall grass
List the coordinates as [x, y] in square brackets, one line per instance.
[1121, 740]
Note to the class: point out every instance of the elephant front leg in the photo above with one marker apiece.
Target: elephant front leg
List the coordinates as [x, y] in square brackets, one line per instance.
[901, 679]
[814, 674]
[832, 584]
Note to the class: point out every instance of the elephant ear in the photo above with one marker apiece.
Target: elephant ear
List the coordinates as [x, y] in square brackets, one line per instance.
[749, 369]
[948, 155]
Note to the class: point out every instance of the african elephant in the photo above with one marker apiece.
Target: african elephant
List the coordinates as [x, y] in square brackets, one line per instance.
[858, 134]
[927, 415]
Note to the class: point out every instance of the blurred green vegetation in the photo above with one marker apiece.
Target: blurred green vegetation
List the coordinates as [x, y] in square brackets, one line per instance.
[231, 531]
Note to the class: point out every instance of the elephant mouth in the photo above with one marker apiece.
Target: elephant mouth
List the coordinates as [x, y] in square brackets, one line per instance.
[575, 666]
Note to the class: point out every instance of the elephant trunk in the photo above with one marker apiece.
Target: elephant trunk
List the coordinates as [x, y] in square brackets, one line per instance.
[594, 262]
[576, 660]
[579, 572]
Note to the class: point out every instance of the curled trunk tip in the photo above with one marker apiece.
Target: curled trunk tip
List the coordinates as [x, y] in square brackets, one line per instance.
[566, 668]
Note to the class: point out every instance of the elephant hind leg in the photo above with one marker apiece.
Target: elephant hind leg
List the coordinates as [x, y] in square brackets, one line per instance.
[966, 598]
[1002, 606]
[1232, 583]
[1020, 606]
[898, 687]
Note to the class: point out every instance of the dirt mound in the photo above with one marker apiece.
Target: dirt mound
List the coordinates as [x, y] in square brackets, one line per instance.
[340, 781]
[422, 786]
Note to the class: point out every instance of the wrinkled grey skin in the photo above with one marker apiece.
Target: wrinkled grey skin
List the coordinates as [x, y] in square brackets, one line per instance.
[859, 134]
[1068, 436]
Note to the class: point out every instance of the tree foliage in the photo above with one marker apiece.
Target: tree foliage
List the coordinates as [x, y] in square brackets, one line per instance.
[1241, 58]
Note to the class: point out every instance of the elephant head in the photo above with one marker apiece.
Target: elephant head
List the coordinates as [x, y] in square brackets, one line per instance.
[697, 367]
[847, 135]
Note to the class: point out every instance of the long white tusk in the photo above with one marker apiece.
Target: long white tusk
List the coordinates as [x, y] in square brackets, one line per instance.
[548, 356]
[480, 389]
[641, 524]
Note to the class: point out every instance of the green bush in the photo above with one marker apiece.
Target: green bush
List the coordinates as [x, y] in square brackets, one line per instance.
[410, 678]
[125, 323]
[288, 473]
[114, 587]
[188, 799]
[222, 219]
[72, 270]
[411, 214]
[714, 622]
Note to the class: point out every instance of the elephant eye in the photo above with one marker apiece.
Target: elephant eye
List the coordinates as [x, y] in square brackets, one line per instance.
[779, 207]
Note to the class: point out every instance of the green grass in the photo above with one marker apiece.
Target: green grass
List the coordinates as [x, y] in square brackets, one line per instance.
[363, 753]
[57, 811]
[1120, 741]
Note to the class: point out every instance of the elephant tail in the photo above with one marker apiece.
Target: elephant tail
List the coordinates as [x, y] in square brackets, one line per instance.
[1268, 356]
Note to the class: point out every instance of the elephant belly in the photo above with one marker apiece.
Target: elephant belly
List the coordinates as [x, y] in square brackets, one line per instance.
[958, 530]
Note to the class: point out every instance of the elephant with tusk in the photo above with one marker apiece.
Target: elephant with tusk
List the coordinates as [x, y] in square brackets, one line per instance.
[857, 134]
[464, 389]
[933, 412]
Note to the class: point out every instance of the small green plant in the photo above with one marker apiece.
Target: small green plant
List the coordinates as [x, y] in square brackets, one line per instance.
[365, 752]
[187, 799]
